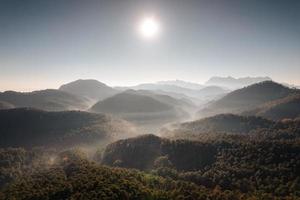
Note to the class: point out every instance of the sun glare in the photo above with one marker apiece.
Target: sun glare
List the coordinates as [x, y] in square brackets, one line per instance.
[149, 27]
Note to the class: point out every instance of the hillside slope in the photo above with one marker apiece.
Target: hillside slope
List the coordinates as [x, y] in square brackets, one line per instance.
[247, 98]
[29, 128]
[50, 100]
[140, 107]
[233, 163]
[180, 103]
[217, 125]
[5, 105]
[285, 108]
[129, 102]
[150, 152]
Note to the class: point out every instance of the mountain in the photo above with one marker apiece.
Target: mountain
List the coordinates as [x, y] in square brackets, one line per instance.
[140, 107]
[235, 83]
[183, 84]
[146, 109]
[130, 102]
[285, 108]
[91, 89]
[51, 100]
[24, 127]
[175, 95]
[5, 105]
[247, 98]
[180, 102]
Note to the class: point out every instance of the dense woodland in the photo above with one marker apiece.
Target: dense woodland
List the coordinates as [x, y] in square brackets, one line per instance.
[73, 177]
[259, 165]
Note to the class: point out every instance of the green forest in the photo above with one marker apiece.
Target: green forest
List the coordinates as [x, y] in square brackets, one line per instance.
[262, 165]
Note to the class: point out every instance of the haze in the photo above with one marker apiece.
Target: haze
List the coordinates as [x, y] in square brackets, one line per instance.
[44, 44]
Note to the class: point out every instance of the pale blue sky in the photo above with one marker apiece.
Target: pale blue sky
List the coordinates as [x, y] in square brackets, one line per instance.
[46, 43]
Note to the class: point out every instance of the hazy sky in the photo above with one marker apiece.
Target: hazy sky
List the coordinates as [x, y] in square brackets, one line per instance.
[47, 43]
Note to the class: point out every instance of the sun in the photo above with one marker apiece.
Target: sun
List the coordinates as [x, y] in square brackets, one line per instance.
[149, 27]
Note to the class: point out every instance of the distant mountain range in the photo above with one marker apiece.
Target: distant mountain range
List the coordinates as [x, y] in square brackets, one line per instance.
[223, 82]
[213, 89]
[204, 94]
[183, 84]
[50, 99]
[95, 90]
[235, 83]
[170, 99]
[163, 87]
[247, 98]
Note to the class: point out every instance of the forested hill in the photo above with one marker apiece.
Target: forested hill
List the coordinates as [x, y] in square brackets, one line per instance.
[247, 98]
[285, 108]
[50, 100]
[264, 163]
[144, 107]
[223, 123]
[130, 102]
[147, 150]
[24, 127]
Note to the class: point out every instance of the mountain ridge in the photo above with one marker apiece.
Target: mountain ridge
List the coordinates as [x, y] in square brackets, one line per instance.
[90, 88]
[235, 83]
[247, 98]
